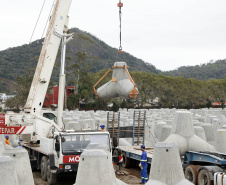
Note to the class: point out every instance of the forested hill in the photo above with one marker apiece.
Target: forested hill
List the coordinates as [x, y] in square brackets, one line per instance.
[93, 55]
[211, 70]
[14, 61]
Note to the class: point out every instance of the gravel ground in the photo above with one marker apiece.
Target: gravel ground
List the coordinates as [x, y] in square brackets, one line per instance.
[62, 180]
[132, 177]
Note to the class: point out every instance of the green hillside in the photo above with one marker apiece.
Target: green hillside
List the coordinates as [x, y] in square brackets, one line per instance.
[90, 54]
[211, 70]
[15, 61]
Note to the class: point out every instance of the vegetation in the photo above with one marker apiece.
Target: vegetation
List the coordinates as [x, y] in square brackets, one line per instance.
[178, 92]
[87, 60]
[14, 61]
[211, 70]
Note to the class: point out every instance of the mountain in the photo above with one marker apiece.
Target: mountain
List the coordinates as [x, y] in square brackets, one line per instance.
[211, 70]
[15, 61]
[19, 60]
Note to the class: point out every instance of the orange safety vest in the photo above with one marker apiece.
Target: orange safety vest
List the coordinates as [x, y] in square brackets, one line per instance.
[102, 130]
[7, 142]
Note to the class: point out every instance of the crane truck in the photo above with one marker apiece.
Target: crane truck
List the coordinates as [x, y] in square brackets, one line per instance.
[51, 148]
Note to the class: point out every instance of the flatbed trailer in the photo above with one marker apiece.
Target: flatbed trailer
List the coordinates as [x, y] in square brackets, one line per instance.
[202, 167]
[132, 154]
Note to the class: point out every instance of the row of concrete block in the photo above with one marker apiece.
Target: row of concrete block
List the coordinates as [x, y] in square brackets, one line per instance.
[15, 168]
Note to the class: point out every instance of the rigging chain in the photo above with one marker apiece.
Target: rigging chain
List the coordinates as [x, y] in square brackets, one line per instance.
[120, 5]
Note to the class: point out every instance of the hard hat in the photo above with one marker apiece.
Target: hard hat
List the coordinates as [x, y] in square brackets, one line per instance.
[142, 147]
[102, 126]
[6, 136]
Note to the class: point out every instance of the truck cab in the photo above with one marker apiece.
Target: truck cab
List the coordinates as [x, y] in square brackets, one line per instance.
[61, 153]
[70, 145]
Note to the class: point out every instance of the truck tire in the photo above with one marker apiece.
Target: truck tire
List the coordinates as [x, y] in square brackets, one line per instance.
[191, 173]
[204, 178]
[126, 161]
[44, 167]
[51, 177]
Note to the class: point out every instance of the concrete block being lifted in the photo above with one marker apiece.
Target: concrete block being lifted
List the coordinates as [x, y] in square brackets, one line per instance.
[21, 165]
[97, 166]
[166, 166]
[7, 171]
[121, 85]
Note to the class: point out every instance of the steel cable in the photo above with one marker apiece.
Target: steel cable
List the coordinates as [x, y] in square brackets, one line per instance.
[37, 21]
[48, 18]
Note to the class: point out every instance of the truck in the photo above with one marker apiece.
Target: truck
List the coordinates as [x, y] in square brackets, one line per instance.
[200, 168]
[61, 153]
[51, 148]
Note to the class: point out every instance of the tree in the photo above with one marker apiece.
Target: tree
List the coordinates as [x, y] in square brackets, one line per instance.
[22, 87]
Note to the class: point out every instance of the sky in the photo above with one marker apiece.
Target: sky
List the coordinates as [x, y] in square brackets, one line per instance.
[166, 33]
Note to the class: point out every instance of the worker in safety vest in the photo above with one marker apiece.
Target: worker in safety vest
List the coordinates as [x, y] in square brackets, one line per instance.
[7, 140]
[102, 128]
[143, 165]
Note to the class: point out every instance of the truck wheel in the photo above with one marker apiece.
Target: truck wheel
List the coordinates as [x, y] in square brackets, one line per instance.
[204, 178]
[126, 161]
[191, 173]
[51, 177]
[44, 167]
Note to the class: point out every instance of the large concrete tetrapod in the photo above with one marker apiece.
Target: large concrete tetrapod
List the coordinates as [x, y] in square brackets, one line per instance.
[21, 165]
[121, 85]
[166, 166]
[95, 168]
[183, 135]
[8, 174]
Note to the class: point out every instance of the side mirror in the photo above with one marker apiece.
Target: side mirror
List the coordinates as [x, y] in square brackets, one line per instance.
[115, 142]
[57, 146]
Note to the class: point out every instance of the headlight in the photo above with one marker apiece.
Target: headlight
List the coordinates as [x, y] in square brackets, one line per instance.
[67, 167]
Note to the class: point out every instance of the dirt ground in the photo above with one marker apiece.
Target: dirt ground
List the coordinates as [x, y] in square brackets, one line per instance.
[130, 177]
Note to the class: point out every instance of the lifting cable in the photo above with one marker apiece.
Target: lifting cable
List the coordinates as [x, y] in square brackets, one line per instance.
[120, 5]
[48, 19]
[37, 20]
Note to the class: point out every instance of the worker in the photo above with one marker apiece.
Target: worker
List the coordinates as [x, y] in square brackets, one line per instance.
[143, 165]
[102, 128]
[7, 140]
[19, 144]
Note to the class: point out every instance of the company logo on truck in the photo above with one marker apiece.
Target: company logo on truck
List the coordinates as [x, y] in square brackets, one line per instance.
[12, 130]
[71, 159]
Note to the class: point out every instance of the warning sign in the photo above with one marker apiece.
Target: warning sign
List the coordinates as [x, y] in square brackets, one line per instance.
[2, 120]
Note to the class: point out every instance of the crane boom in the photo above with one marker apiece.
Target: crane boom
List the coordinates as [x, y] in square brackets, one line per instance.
[47, 57]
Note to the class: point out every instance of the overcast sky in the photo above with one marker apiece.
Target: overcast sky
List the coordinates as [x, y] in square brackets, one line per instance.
[165, 33]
